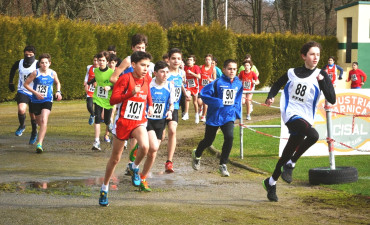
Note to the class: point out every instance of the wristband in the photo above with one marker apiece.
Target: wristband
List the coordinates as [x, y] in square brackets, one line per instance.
[59, 92]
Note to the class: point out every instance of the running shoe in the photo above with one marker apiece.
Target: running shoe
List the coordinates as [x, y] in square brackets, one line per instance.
[185, 117]
[125, 147]
[133, 153]
[91, 119]
[197, 118]
[103, 199]
[39, 148]
[110, 127]
[135, 177]
[33, 138]
[196, 161]
[144, 186]
[271, 190]
[287, 174]
[20, 131]
[127, 171]
[169, 167]
[249, 117]
[223, 170]
[96, 146]
[106, 138]
[203, 119]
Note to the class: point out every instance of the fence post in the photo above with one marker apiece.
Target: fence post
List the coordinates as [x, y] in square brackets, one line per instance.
[241, 131]
[329, 136]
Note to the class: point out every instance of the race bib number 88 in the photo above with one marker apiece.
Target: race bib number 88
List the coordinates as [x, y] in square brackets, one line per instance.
[134, 110]
[228, 97]
[299, 92]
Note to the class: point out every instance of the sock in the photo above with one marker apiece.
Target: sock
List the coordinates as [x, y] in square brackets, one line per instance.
[196, 114]
[21, 119]
[168, 161]
[134, 166]
[105, 187]
[291, 162]
[97, 140]
[272, 181]
[34, 126]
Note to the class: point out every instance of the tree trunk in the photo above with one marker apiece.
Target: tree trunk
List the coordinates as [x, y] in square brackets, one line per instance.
[37, 6]
[328, 8]
[209, 11]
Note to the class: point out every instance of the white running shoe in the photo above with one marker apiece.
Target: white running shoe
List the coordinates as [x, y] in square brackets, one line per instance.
[203, 119]
[196, 118]
[185, 117]
[195, 161]
[96, 146]
[249, 117]
[223, 170]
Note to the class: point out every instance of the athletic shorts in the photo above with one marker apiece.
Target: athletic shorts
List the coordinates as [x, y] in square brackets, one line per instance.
[158, 127]
[193, 91]
[123, 128]
[22, 98]
[107, 114]
[175, 116]
[38, 107]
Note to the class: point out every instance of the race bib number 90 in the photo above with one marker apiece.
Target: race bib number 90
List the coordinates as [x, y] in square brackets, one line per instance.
[42, 89]
[134, 110]
[102, 93]
[158, 111]
[299, 92]
[228, 97]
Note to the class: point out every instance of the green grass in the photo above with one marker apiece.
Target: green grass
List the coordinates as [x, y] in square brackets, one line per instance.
[262, 152]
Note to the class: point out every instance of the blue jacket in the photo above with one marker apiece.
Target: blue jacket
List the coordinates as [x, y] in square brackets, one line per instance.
[223, 99]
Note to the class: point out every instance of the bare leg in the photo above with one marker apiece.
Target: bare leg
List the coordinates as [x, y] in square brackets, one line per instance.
[114, 159]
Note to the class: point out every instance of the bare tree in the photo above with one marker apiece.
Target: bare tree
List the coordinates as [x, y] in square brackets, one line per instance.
[328, 11]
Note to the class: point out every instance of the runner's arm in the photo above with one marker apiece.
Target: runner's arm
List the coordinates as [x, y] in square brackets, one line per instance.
[58, 94]
[124, 65]
[207, 95]
[327, 87]
[12, 74]
[120, 93]
[340, 72]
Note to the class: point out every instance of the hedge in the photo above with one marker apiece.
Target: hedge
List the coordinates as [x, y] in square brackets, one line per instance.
[72, 45]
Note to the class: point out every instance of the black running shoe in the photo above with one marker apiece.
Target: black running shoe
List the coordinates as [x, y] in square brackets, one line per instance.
[287, 174]
[271, 190]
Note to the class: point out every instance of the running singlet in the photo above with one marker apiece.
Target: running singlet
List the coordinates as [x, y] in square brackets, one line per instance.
[101, 96]
[204, 75]
[332, 73]
[23, 74]
[134, 107]
[247, 80]
[300, 97]
[191, 81]
[91, 75]
[177, 82]
[162, 98]
[43, 84]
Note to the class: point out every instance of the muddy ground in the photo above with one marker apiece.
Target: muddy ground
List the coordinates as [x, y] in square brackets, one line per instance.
[61, 186]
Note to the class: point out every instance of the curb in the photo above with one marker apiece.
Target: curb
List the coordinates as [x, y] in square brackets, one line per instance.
[243, 166]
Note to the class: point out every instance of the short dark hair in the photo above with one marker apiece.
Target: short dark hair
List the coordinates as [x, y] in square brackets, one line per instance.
[355, 63]
[138, 39]
[29, 48]
[248, 61]
[331, 57]
[160, 65]
[113, 57]
[192, 56]
[165, 56]
[173, 51]
[103, 54]
[45, 56]
[228, 61]
[112, 48]
[248, 56]
[95, 56]
[139, 55]
[209, 55]
[215, 59]
[306, 47]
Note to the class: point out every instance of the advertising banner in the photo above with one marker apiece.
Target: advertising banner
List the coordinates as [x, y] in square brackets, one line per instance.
[350, 125]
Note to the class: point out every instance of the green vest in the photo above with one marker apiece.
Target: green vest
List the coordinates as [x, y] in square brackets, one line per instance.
[101, 97]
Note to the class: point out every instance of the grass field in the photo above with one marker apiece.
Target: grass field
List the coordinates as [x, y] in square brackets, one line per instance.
[262, 152]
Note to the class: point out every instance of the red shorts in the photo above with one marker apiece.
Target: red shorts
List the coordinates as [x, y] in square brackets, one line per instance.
[123, 128]
[194, 90]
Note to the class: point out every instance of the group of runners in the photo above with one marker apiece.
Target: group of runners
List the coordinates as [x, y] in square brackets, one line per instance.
[147, 97]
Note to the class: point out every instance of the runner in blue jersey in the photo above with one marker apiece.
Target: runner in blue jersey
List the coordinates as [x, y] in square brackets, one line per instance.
[42, 95]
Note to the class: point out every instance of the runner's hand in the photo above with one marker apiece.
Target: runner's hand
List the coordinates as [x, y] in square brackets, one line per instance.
[11, 87]
[136, 89]
[269, 101]
[150, 110]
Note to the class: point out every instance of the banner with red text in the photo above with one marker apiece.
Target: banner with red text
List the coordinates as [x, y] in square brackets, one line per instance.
[350, 126]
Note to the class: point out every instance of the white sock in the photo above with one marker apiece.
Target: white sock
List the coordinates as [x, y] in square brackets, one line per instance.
[105, 187]
[134, 166]
[272, 181]
[196, 114]
[97, 140]
[291, 162]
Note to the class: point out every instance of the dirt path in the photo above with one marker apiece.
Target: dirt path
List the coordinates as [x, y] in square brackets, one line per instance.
[61, 187]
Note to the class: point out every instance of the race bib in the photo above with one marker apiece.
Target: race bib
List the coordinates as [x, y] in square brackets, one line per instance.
[134, 110]
[353, 77]
[177, 93]
[228, 97]
[42, 89]
[102, 93]
[247, 84]
[158, 111]
[205, 82]
[330, 76]
[299, 92]
[191, 83]
[91, 88]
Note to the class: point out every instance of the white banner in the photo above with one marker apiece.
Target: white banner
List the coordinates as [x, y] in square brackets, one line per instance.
[346, 129]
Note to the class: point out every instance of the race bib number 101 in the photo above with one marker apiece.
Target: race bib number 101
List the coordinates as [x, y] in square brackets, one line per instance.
[134, 110]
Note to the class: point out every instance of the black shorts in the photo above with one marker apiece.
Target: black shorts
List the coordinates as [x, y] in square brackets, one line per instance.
[107, 114]
[38, 107]
[175, 116]
[158, 127]
[23, 98]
